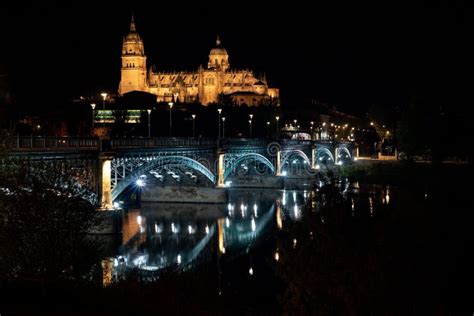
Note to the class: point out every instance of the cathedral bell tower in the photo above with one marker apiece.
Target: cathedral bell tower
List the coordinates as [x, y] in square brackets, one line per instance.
[133, 72]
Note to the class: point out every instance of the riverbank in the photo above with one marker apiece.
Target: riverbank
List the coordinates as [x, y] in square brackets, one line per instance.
[406, 172]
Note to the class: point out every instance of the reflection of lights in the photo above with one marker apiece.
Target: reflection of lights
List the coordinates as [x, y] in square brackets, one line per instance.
[140, 182]
[150, 268]
[139, 220]
[220, 235]
[228, 183]
[178, 259]
[207, 229]
[283, 173]
[190, 229]
[318, 167]
[138, 261]
[296, 211]
[243, 208]
[294, 243]
[371, 206]
[115, 262]
[116, 205]
[229, 207]
[173, 228]
[339, 163]
[355, 158]
[283, 200]
[157, 229]
[352, 204]
[227, 222]
[294, 196]
[277, 256]
[251, 271]
[278, 217]
[254, 226]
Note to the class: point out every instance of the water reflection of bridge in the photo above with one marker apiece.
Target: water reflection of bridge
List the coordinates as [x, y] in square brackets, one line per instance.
[160, 238]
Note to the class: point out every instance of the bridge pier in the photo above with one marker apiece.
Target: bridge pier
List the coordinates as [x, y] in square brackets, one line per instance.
[220, 169]
[105, 187]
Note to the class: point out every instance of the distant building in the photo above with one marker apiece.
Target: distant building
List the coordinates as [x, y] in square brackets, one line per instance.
[203, 86]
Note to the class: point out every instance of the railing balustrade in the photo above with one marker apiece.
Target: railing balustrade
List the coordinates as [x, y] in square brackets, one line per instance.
[49, 143]
[70, 143]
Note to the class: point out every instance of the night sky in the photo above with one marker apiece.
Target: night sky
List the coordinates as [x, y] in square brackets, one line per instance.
[351, 56]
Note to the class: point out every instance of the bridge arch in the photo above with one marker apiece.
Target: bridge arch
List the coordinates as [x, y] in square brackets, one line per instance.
[249, 156]
[323, 150]
[293, 153]
[161, 162]
[346, 150]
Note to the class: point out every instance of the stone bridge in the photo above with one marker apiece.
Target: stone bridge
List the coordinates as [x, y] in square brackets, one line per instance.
[109, 167]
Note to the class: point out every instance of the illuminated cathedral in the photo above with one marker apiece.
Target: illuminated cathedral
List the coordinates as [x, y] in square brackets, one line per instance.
[205, 85]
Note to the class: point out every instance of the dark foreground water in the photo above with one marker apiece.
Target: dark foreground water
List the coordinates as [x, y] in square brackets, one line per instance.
[331, 247]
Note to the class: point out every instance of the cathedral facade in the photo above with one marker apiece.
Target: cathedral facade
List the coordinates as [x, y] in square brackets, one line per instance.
[204, 85]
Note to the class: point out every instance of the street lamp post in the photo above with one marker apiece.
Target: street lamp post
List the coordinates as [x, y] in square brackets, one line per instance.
[219, 123]
[268, 129]
[194, 130]
[104, 96]
[312, 123]
[149, 123]
[171, 121]
[223, 127]
[277, 131]
[93, 108]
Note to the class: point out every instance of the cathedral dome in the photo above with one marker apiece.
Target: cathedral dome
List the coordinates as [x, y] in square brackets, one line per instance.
[218, 51]
[132, 35]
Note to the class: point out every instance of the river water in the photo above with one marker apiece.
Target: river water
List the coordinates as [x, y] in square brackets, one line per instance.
[340, 240]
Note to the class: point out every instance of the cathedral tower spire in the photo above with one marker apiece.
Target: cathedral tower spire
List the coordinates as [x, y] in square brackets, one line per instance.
[132, 25]
[134, 71]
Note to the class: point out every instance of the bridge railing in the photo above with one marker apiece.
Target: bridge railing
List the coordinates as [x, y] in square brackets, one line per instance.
[294, 142]
[254, 142]
[25, 143]
[161, 142]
